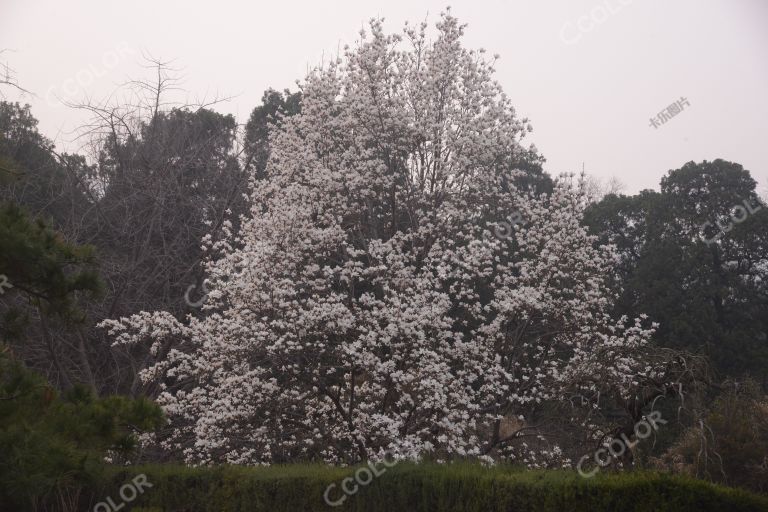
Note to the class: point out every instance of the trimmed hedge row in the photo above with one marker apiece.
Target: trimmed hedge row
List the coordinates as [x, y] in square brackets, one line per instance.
[408, 487]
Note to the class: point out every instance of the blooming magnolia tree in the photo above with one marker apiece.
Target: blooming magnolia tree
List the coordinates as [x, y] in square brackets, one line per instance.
[367, 305]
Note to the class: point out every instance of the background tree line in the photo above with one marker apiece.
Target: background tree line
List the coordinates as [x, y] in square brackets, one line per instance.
[118, 229]
[134, 213]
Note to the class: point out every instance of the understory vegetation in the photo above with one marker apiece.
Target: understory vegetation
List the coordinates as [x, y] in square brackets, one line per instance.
[376, 267]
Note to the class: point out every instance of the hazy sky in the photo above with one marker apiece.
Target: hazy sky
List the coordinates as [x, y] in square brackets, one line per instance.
[589, 74]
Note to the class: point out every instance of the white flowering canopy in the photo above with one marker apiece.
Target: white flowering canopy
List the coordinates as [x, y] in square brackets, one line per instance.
[365, 307]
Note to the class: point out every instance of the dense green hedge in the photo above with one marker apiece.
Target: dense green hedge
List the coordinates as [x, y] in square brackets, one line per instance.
[411, 488]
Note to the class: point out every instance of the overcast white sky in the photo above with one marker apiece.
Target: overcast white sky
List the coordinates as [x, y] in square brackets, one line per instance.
[588, 73]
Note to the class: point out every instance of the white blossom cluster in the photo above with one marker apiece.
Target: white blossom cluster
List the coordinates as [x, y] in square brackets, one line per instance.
[363, 309]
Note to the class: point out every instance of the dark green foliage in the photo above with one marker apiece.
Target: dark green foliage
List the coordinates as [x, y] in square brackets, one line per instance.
[165, 189]
[42, 267]
[730, 444]
[51, 446]
[429, 488]
[158, 184]
[708, 298]
[33, 176]
[532, 179]
[274, 104]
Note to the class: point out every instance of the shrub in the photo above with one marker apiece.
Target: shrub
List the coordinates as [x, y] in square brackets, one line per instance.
[455, 487]
[730, 444]
[52, 447]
